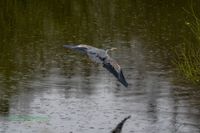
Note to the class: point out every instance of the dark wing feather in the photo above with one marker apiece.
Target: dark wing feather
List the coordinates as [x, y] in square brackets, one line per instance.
[115, 69]
[111, 69]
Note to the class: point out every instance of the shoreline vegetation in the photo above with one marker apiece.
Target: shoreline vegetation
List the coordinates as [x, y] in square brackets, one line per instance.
[188, 54]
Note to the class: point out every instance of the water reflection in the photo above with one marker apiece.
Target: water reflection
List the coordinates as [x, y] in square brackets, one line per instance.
[38, 78]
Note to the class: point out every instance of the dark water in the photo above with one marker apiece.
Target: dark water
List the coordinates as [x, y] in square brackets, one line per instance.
[47, 89]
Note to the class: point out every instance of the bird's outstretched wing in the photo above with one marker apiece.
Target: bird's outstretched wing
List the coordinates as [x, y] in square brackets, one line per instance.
[112, 66]
[79, 48]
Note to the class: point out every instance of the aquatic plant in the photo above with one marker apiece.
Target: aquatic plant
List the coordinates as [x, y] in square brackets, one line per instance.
[188, 54]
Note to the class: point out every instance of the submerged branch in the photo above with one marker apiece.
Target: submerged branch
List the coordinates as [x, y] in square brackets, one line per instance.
[118, 128]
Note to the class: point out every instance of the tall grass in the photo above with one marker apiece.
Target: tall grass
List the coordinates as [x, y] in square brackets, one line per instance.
[188, 54]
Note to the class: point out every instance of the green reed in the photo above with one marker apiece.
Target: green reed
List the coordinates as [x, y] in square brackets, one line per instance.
[188, 54]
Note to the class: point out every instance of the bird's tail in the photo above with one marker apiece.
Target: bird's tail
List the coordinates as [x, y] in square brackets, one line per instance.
[69, 46]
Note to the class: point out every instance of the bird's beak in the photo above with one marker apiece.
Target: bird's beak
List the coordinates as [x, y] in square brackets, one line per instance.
[113, 49]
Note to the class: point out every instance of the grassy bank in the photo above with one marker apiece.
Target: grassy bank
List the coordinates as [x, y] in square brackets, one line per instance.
[188, 53]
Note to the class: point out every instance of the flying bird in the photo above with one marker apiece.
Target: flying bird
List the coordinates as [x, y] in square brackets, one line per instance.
[100, 56]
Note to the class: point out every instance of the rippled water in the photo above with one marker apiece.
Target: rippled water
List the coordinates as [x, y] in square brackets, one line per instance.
[46, 88]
